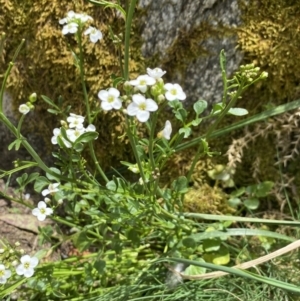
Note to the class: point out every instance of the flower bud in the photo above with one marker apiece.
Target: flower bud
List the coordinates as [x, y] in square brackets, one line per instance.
[161, 98]
[32, 97]
[47, 200]
[264, 74]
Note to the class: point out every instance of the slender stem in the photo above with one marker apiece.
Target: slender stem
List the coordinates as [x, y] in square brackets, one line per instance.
[82, 77]
[211, 129]
[87, 105]
[129, 17]
[130, 135]
[151, 140]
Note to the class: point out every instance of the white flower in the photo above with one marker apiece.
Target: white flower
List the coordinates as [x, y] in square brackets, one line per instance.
[155, 73]
[42, 211]
[75, 121]
[56, 133]
[167, 131]
[90, 128]
[70, 16]
[140, 107]
[83, 17]
[174, 91]
[24, 109]
[27, 266]
[74, 134]
[52, 188]
[110, 99]
[142, 82]
[95, 34]
[70, 28]
[4, 274]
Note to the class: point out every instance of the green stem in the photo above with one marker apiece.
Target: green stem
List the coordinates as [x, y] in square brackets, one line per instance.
[212, 128]
[11, 64]
[87, 105]
[151, 140]
[129, 17]
[133, 144]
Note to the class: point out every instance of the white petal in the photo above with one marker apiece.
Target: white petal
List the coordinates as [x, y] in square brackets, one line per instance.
[28, 272]
[142, 116]
[41, 217]
[151, 105]
[114, 92]
[34, 261]
[103, 95]
[138, 98]
[170, 96]
[20, 269]
[25, 258]
[42, 205]
[168, 86]
[143, 89]
[106, 106]
[132, 109]
[117, 104]
[45, 192]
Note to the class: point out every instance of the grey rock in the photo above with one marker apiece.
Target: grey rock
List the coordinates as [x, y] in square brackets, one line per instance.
[164, 22]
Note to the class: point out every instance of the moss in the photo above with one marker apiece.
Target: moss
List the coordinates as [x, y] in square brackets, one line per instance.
[45, 65]
[270, 38]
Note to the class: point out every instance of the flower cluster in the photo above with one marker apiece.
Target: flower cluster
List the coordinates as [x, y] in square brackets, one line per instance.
[74, 129]
[74, 21]
[26, 107]
[25, 268]
[144, 100]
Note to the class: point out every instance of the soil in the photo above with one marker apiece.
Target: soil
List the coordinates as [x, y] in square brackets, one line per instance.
[18, 225]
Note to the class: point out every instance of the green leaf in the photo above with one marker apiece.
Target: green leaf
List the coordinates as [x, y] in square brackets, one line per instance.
[133, 235]
[40, 183]
[238, 111]
[86, 137]
[181, 115]
[264, 188]
[11, 145]
[195, 270]
[111, 185]
[200, 106]
[100, 265]
[21, 180]
[78, 147]
[238, 192]
[51, 111]
[180, 185]
[234, 202]
[81, 241]
[189, 242]
[18, 144]
[49, 101]
[186, 131]
[32, 177]
[175, 105]
[221, 257]
[196, 121]
[53, 177]
[117, 81]
[252, 203]
[210, 245]
[218, 107]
